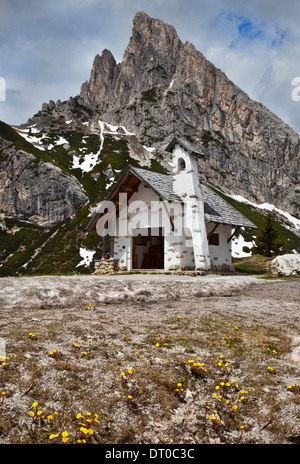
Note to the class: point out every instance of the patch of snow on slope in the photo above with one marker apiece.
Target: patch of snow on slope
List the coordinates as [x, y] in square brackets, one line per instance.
[170, 86]
[89, 161]
[61, 141]
[87, 164]
[36, 141]
[237, 245]
[269, 207]
[151, 149]
[126, 131]
[87, 257]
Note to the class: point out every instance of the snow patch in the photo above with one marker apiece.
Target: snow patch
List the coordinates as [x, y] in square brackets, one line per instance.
[37, 141]
[87, 257]
[151, 149]
[61, 141]
[269, 207]
[89, 161]
[170, 86]
[126, 131]
[237, 247]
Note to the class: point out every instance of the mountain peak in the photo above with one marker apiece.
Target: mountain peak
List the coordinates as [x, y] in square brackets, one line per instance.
[151, 30]
[140, 17]
[150, 56]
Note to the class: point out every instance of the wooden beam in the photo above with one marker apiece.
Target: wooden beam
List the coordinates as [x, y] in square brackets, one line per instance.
[128, 189]
[233, 233]
[212, 231]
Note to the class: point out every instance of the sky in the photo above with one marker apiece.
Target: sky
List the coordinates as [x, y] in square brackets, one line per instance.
[47, 48]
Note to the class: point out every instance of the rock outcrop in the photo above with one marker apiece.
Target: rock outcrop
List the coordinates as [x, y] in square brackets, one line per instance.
[36, 191]
[286, 265]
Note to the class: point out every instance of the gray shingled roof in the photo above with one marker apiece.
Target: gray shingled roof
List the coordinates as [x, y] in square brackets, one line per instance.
[161, 183]
[216, 209]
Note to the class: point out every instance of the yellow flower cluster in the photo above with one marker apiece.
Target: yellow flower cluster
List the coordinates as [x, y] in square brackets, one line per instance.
[5, 358]
[130, 372]
[84, 422]
[222, 364]
[85, 425]
[226, 399]
[37, 411]
[196, 363]
[179, 388]
[90, 306]
[54, 354]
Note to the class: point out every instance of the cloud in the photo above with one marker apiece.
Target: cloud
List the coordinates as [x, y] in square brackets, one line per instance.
[47, 48]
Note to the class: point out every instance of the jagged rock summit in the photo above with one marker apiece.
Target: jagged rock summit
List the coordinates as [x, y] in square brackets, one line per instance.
[150, 56]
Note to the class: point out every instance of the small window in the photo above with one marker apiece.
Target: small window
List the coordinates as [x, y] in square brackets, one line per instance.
[214, 239]
[181, 164]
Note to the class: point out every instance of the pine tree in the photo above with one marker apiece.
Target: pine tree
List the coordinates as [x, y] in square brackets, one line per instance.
[267, 242]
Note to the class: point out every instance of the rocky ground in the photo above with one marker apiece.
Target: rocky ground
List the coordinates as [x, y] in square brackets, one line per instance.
[149, 359]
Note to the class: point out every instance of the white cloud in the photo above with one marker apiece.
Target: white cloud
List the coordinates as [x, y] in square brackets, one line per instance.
[47, 48]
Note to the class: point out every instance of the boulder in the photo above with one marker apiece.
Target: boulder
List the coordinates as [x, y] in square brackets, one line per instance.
[286, 265]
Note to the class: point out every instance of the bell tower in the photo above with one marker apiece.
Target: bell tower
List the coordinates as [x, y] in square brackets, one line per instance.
[187, 186]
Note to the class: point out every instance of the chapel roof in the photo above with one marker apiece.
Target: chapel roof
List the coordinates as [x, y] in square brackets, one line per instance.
[216, 209]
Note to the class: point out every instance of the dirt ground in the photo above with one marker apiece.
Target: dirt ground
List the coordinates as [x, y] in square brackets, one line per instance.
[156, 358]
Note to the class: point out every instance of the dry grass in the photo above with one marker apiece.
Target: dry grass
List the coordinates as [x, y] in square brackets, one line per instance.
[174, 372]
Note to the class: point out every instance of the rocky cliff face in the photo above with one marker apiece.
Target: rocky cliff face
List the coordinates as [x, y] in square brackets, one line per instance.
[34, 190]
[165, 87]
